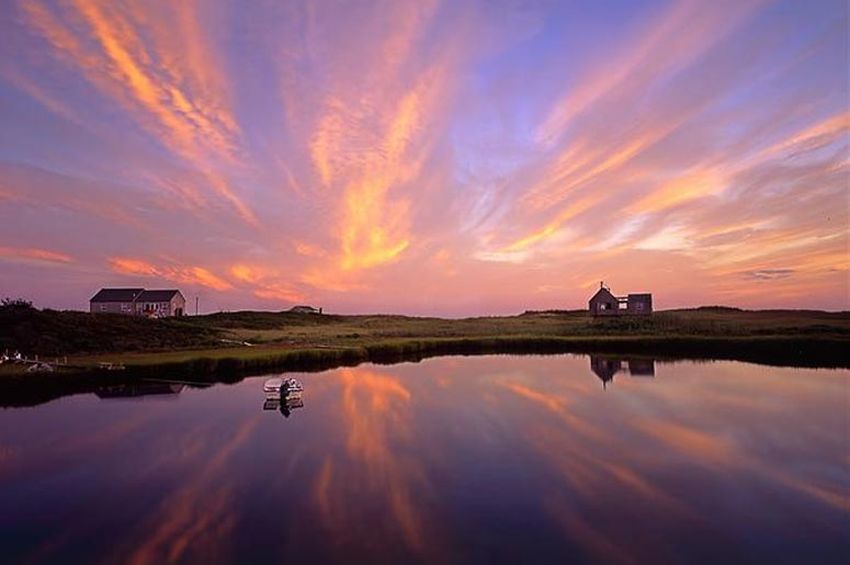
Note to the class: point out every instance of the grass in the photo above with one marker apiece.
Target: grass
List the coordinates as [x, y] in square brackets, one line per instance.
[204, 344]
[51, 333]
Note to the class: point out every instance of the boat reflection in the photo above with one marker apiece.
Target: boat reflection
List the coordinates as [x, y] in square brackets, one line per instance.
[606, 367]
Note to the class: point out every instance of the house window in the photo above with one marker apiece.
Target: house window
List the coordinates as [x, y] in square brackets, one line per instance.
[103, 307]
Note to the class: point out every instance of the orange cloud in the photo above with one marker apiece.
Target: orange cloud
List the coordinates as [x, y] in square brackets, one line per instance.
[124, 68]
[133, 267]
[188, 274]
[34, 254]
[244, 273]
[266, 284]
[279, 292]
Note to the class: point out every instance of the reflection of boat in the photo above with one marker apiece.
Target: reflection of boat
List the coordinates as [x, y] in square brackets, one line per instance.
[289, 403]
[281, 386]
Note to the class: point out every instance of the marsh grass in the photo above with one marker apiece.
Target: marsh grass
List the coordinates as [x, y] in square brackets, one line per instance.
[303, 341]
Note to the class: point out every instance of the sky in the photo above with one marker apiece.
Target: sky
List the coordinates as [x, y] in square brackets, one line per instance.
[427, 157]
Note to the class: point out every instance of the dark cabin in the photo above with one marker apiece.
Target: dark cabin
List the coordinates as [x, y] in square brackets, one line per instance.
[604, 303]
[639, 303]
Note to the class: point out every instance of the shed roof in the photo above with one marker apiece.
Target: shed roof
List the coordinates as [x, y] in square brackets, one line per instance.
[602, 294]
[117, 294]
[158, 295]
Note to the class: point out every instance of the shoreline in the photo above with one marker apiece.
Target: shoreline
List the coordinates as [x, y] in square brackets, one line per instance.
[212, 366]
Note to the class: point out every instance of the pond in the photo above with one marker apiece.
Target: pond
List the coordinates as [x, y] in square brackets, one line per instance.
[532, 459]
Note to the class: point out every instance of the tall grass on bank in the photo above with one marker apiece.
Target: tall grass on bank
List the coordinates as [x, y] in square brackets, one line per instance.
[233, 365]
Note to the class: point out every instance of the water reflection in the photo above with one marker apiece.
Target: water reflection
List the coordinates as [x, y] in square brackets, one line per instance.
[135, 390]
[509, 459]
[605, 367]
[285, 404]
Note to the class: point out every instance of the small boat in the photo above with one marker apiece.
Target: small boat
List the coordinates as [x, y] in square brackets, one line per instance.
[277, 385]
[273, 386]
[293, 385]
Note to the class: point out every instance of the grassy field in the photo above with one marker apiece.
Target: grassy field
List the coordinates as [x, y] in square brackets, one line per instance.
[216, 342]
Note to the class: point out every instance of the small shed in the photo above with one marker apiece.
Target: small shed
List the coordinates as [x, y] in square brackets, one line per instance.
[639, 303]
[605, 303]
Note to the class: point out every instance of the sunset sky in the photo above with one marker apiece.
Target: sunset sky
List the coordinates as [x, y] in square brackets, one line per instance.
[426, 157]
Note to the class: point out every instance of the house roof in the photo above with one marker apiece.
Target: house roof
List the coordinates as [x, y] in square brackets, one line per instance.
[117, 294]
[158, 295]
[602, 293]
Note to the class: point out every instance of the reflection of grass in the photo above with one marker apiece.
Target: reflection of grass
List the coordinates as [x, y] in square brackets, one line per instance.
[773, 350]
[8, 369]
[232, 364]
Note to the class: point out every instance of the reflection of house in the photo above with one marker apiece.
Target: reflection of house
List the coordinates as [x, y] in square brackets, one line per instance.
[642, 367]
[139, 389]
[606, 367]
[604, 303]
[138, 301]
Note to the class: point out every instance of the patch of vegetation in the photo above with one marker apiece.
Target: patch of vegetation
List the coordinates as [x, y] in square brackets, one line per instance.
[53, 333]
[90, 338]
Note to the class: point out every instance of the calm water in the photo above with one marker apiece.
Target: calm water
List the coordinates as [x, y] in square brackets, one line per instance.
[483, 459]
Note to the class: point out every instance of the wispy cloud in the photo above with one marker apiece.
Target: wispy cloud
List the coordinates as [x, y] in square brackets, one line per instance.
[33, 254]
[184, 274]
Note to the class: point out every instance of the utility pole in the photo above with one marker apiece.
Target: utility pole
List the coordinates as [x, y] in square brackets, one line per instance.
[196, 305]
